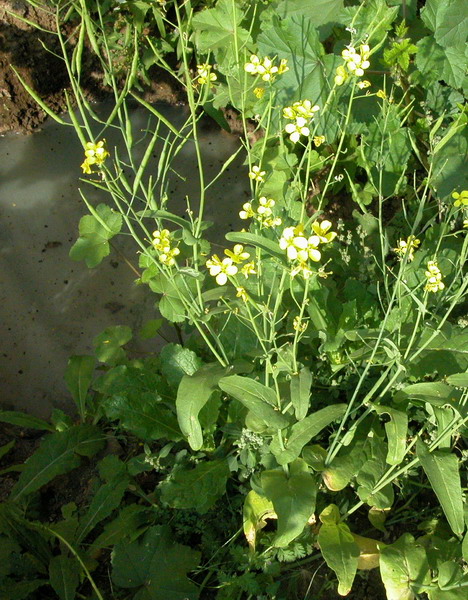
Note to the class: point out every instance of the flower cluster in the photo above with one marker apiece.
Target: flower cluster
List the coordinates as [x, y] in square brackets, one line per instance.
[266, 67]
[205, 75]
[300, 248]
[95, 154]
[355, 64]
[301, 113]
[263, 213]
[256, 174]
[407, 247]
[163, 243]
[235, 262]
[434, 278]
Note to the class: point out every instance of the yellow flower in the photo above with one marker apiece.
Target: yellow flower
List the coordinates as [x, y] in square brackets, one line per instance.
[407, 247]
[205, 75]
[298, 325]
[283, 66]
[95, 154]
[256, 174]
[465, 223]
[237, 254]
[247, 212]
[312, 245]
[341, 75]
[295, 243]
[252, 66]
[241, 293]
[248, 269]
[267, 69]
[302, 268]
[162, 242]
[461, 199]
[434, 278]
[221, 269]
[362, 85]
[266, 204]
[319, 140]
[321, 231]
[259, 92]
[381, 94]
[295, 130]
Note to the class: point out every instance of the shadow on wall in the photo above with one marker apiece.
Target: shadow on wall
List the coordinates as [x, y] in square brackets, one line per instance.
[52, 307]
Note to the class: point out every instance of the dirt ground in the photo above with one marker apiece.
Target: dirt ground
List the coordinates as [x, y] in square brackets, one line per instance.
[30, 51]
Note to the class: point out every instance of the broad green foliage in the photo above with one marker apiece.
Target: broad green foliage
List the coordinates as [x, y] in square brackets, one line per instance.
[319, 375]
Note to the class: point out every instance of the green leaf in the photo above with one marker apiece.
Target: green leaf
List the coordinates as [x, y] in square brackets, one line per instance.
[252, 239]
[436, 393]
[95, 232]
[150, 329]
[105, 501]
[396, 430]
[436, 63]
[255, 511]
[24, 420]
[323, 11]
[448, 20]
[218, 27]
[6, 448]
[369, 476]
[64, 574]
[170, 305]
[19, 590]
[338, 548]
[404, 568]
[59, 453]
[373, 16]
[449, 171]
[78, 377]
[198, 488]
[108, 344]
[442, 470]
[127, 524]
[193, 393]
[293, 499]
[300, 392]
[458, 379]
[303, 431]
[259, 399]
[177, 361]
[157, 565]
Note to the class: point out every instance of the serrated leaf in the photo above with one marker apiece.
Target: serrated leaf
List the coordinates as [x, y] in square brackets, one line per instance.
[197, 488]
[323, 11]
[157, 565]
[23, 420]
[217, 27]
[404, 568]
[95, 232]
[293, 497]
[78, 377]
[64, 574]
[193, 393]
[303, 431]
[300, 392]
[108, 344]
[259, 399]
[177, 361]
[340, 551]
[59, 453]
[396, 430]
[442, 470]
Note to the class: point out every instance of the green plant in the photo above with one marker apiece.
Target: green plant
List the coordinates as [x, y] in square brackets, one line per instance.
[321, 379]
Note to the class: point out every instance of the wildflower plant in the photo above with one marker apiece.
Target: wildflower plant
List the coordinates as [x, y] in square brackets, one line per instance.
[316, 379]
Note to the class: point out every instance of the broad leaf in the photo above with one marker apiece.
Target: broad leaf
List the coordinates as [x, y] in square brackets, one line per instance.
[442, 470]
[95, 232]
[130, 519]
[170, 305]
[156, 565]
[340, 551]
[177, 361]
[78, 377]
[396, 430]
[321, 11]
[193, 393]
[255, 512]
[293, 497]
[108, 344]
[217, 27]
[435, 393]
[197, 488]
[259, 399]
[20, 590]
[404, 568]
[64, 574]
[59, 453]
[303, 431]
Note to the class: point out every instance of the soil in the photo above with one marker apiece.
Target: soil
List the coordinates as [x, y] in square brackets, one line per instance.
[30, 52]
